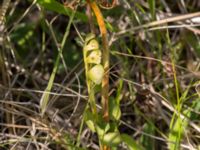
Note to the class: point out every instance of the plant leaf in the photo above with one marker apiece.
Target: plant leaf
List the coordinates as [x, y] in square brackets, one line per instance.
[112, 138]
[89, 120]
[132, 145]
[60, 8]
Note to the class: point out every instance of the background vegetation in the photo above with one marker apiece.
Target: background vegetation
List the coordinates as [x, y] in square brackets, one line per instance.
[154, 71]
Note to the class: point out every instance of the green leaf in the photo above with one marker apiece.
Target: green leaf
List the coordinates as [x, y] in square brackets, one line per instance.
[119, 91]
[147, 141]
[109, 26]
[116, 113]
[60, 8]
[102, 128]
[114, 103]
[152, 7]
[89, 120]
[112, 138]
[181, 124]
[178, 125]
[196, 108]
[175, 134]
[114, 110]
[128, 140]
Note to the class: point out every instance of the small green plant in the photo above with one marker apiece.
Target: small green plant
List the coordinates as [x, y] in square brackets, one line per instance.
[94, 73]
[93, 69]
[107, 132]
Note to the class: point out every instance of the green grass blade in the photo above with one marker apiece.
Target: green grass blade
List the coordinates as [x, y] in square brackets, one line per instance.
[179, 126]
[45, 97]
[152, 8]
[147, 141]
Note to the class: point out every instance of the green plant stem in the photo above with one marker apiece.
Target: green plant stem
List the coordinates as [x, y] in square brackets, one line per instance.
[91, 92]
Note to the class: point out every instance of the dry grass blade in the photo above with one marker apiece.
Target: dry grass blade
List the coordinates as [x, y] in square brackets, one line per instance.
[160, 22]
